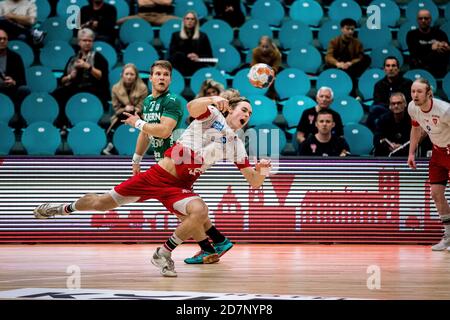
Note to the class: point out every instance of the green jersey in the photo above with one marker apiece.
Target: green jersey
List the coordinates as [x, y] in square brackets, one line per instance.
[166, 105]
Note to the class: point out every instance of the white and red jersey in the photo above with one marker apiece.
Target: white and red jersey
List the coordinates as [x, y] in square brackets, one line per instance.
[435, 122]
[208, 139]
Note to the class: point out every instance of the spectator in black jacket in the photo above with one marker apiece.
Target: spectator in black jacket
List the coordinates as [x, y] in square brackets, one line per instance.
[101, 18]
[189, 45]
[229, 11]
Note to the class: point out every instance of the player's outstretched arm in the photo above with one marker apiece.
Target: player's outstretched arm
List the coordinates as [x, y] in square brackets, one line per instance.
[163, 129]
[199, 106]
[142, 144]
[256, 176]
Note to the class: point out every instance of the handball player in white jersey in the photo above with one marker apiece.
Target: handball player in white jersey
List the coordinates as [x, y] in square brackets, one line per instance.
[432, 116]
[209, 138]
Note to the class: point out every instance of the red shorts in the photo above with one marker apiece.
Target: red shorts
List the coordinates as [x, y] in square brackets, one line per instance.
[155, 183]
[439, 167]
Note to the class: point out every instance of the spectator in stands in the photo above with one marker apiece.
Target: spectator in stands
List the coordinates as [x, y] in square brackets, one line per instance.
[392, 82]
[189, 45]
[157, 12]
[17, 18]
[428, 46]
[229, 11]
[393, 128]
[12, 73]
[307, 126]
[101, 18]
[210, 88]
[86, 71]
[324, 143]
[346, 52]
[267, 52]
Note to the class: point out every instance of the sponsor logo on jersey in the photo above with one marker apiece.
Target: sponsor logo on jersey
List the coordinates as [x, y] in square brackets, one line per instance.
[217, 125]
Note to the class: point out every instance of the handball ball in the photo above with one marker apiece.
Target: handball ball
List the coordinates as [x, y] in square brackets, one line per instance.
[261, 75]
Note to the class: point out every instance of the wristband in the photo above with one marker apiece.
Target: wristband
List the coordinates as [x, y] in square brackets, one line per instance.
[136, 159]
[140, 124]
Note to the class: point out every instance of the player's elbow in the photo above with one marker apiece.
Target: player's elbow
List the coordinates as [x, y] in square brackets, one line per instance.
[166, 133]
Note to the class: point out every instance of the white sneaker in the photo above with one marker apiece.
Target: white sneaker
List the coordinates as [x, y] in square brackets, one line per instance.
[442, 245]
[49, 210]
[165, 264]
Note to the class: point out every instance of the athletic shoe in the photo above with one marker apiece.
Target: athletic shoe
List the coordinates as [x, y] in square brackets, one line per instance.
[223, 247]
[165, 264]
[442, 245]
[203, 257]
[49, 210]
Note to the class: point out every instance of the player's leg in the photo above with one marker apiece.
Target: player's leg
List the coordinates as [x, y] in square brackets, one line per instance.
[442, 207]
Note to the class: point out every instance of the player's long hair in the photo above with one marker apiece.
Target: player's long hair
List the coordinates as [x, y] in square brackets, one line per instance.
[186, 35]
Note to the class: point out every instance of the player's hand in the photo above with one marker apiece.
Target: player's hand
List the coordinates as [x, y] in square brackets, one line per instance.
[131, 119]
[220, 103]
[411, 162]
[136, 168]
[263, 166]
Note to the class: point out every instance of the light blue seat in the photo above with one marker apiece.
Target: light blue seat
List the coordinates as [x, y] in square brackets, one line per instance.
[415, 5]
[43, 9]
[341, 9]
[306, 58]
[420, 73]
[56, 29]
[107, 51]
[270, 141]
[291, 82]
[336, 79]
[136, 30]
[22, 49]
[348, 108]
[446, 28]
[309, 12]
[6, 108]
[39, 106]
[122, 7]
[446, 85]
[405, 27]
[124, 139]
[359, 138]
[367, 81]
[264, 110]
[63, 5]
[8, 138]
[55, 55]
[41, 138]
[270, 11]
[379, 54]
[329, 30]
[84, 107]
[389, 12]
[87, 138]
[219, 32]
[294, 34]
[114, 75]
[241, 83]
[374, 38]
[206, 73]
[141, 54]
[251, 31]
[183, 6]
[166, 30]
[229, 57]
[447, 11]
[40, 79]
[293, 109]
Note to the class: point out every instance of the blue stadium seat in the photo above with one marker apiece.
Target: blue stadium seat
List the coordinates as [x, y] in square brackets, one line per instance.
[405, 27]
[124, 139]
[374, 38]
[177, 85]
[56, 29]
[6, 108]
[294, 34]
[55, 55]
[366, 82]
[8, 138]
[136, 30]
[306, 58]
[87, 138]
[40, 79]
[166, 30]
[219, 32]
[141, 54]
[293, 109]
[359, 138]
[241, 83]
[206, 73]
[446, 85]
[415, 5]
[39, 106]
[329, 30]
[107, 51]
[389, 12]
[337, 80]
[229, 57]
[341, 9]
[380, 53]
[24, 50]
[291, 82]
[41, 138]
[63, 5]
[270, 11]
[182, 6]
[270, 141]
[251, 31]
[114, 75]
[309, 12]
[122, 7]
[84, 107]
[348, 108]
[43, 10]
[420, 73]
[264, 110]
[447, 11]
[446, 28]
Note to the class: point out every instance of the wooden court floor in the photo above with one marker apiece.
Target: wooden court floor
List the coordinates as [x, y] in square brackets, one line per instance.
[343, 271]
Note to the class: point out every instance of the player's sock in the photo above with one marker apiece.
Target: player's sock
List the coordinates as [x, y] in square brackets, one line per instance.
[446, 222]
[206, 246]
[215, 235]
[170, 245]
[69, 208]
